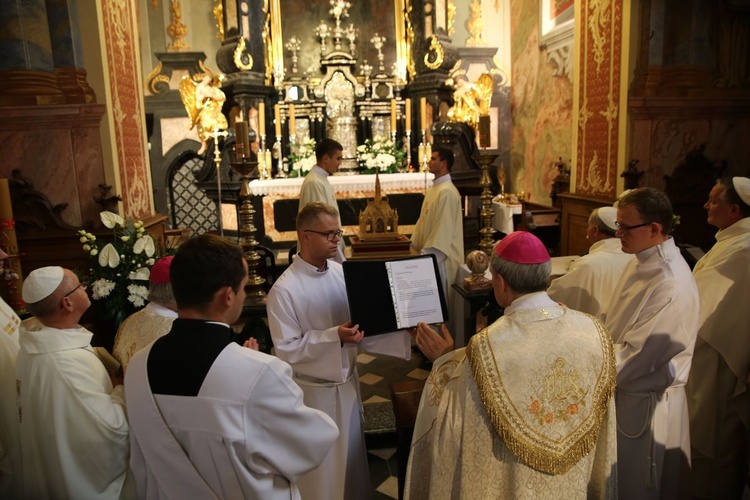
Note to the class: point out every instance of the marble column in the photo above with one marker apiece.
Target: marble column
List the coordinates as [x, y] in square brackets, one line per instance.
[26, 62]
[67, 51]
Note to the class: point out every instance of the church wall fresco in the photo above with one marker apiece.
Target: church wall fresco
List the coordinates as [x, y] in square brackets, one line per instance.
[541, 108]
[121, 40]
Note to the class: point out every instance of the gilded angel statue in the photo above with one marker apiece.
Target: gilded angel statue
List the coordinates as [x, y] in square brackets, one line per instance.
[203, 102]
[471, 100]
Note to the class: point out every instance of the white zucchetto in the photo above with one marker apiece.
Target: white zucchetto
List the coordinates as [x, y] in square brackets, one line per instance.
[40, 283]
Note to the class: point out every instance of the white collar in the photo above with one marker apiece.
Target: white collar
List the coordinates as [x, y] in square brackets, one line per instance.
[319, 170]
[530, 301]
[442, 180]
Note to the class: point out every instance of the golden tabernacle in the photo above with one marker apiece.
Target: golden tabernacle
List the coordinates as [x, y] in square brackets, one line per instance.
[378, 234]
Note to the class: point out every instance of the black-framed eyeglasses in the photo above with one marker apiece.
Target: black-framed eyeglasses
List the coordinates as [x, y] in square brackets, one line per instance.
[330, 235]
[623, 227]
[80, 285]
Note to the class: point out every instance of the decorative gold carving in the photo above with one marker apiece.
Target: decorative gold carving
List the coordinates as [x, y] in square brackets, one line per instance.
[218, 12]
[154, 78]
[451, 18]
[267, 50]
[203, 103]
[176, 30]
[475, 25]
[241, 55]
[408, 40]
[437, 48]
[470, 100]
[596, 20]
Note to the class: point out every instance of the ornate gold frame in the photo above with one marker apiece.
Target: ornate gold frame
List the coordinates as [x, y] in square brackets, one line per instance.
[277, 47]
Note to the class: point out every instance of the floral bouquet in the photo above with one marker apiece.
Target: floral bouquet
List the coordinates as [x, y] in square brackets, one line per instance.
[380, 155]
[120, 269]
[302, 158]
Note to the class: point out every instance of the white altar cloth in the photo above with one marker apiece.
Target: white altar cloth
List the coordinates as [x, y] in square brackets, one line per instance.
[503, 218]
[389, 183]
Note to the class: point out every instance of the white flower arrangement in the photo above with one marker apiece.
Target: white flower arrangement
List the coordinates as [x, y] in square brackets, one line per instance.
[302, 157]
[120, 269]
[379, 155]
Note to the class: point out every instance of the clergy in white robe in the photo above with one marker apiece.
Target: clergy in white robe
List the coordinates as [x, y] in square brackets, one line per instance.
[308, 315]
[10, 451]
[73, 430]
[209, 418]
[590, 281]
[526, 410]
[317, 188]
[153, 321]
[653, 319]
[440, 227]
[718, 399]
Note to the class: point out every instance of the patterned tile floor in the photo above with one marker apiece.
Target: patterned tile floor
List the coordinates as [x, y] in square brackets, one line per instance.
[376, 373]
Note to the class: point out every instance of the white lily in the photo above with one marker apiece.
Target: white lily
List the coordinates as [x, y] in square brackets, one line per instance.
[110, 219]
[109, 256]
[145, 243]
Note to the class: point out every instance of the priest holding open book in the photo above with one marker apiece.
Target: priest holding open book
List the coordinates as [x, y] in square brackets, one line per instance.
[308, 314]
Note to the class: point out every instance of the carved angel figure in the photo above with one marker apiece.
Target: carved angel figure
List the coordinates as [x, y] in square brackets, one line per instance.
[203, 102]
[471, 100]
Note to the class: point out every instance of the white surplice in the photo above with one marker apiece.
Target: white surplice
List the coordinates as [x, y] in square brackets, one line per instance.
[525, 411]
[591, 279]
[718, 400]
[316, 187]
[305, 308]
[245, 435]
[74, 435]
[10, 452]
[653, 319]
[440, 230]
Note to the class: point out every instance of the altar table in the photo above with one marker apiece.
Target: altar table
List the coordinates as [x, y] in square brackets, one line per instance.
[351, 191]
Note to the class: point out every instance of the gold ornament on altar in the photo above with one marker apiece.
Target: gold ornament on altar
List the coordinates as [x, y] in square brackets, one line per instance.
[471, 100]
[378, 234]
[203, 102]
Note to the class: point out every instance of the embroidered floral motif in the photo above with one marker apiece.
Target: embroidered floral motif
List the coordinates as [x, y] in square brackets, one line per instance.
[438, 379]
[560, 396]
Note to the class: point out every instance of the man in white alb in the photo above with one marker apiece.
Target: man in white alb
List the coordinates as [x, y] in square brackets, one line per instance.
[308, 314]
[440, 230]
[718, 399]
[209, 418]
[10, 453]
[653, 319]
[588, 284]
[74, 435]
[317, 188]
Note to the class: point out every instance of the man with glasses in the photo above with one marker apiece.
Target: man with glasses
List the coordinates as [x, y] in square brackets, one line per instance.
[718, 398]
[308, 315]
[653, 319]
[74, 435]
[317, 188]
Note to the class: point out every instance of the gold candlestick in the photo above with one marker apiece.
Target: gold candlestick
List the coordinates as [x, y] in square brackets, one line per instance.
[254, 287]
[486, 242]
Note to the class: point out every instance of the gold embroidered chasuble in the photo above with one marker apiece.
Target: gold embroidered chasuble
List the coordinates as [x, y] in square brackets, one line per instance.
[525, 411]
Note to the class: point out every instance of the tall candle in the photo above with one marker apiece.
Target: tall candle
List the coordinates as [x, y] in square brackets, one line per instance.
[423, 113]
[428, 151]
[407, 105]
[484, 131]
[242, 143]
[393, 115]
[262, 118]
[420, 153]
[277, 119]
[292, 120]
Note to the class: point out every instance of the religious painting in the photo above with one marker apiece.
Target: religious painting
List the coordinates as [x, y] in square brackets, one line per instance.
[555, 20]
[300, 18]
